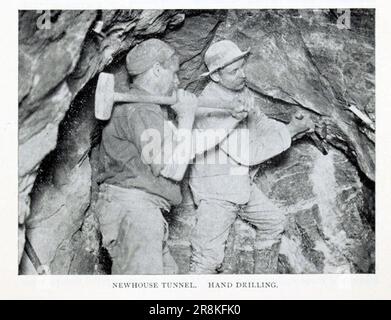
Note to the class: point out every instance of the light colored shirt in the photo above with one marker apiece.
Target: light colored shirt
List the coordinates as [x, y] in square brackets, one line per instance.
[225, 172]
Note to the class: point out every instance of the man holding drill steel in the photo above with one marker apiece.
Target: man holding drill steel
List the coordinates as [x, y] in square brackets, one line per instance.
[224, 189]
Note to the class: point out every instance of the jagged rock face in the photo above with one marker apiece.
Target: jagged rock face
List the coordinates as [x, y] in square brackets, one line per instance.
[324, 205]
[300, 61]
[322, 195]
[284, 66]
[54, 65]
[326, 229]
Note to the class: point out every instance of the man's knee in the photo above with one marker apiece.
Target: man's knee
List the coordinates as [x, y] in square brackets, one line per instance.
[213, 220]
[272, 226]
[145, 230]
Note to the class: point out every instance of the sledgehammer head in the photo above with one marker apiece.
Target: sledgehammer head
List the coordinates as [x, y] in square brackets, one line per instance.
[104, 96]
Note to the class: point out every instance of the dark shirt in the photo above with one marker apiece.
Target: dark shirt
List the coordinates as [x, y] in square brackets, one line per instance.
[120, 161]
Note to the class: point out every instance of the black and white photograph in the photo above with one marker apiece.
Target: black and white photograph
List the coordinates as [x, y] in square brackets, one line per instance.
[196, 141]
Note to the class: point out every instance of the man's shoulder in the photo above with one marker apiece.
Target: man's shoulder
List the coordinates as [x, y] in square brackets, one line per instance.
[129, 109]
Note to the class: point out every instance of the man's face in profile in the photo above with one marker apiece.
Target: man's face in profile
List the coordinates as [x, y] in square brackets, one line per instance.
[232, 76]
[169, 80]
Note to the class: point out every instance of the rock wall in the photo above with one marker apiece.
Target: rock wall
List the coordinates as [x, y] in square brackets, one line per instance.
[301, 61]
[54, 65]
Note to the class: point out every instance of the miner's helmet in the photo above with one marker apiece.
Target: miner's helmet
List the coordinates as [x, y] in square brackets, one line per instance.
[221, 54]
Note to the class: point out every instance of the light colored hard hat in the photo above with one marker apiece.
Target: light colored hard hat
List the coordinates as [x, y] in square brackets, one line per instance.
[221, 54]
[144, 55]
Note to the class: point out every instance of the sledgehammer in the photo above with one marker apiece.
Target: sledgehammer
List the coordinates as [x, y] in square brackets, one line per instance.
[105, 97]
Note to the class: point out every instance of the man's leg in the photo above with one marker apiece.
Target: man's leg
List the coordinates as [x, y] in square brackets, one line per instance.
[133, 237]
[269, 223]
[214, 219]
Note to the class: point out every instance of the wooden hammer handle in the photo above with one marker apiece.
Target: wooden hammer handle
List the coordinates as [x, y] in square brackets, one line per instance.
[209, 103]
[138, 98]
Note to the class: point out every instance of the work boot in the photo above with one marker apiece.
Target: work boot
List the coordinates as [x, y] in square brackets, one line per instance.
[266, 260]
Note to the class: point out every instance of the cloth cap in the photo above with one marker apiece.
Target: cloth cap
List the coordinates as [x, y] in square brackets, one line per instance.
[144, 55]
[221, 54]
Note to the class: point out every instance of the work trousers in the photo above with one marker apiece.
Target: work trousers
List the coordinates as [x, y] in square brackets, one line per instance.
[214, 220]
[134, 230]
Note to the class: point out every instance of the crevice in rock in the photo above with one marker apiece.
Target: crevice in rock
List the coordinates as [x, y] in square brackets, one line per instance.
[59, 171]
[369, 191]
[78, 134]
[368, 213]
